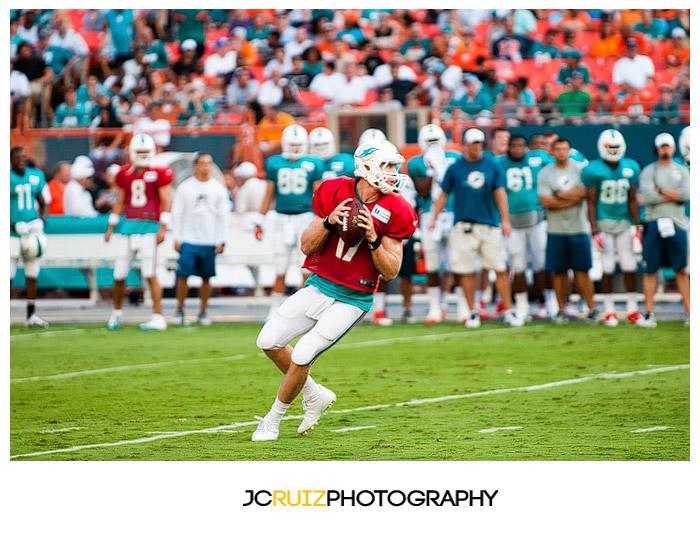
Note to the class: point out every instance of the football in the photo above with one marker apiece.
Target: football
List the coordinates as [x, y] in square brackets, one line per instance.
[348, 228]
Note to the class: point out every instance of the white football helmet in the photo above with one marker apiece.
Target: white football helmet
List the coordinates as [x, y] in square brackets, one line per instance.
[322, 143]
[611, 145]
[371, 134]
[31, 245]
[142, 149]
[431, 135]
[295, 142]
[379, 163]
[684, 144]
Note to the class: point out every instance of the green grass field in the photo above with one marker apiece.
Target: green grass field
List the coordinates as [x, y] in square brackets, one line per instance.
[413, 392]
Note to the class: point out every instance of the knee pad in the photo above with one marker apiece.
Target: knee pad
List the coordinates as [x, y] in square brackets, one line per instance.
[267, 338]
[309, 347]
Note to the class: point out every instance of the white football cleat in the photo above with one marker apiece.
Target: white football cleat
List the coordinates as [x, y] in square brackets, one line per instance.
[647, 321]
[36, 322]
[434, 316]
[474, 320]
[115, 320]
[611, 320]
[179, 319]
[203, 319]
[156, 323]
[314, 408]
[266, 431]
[512, 319]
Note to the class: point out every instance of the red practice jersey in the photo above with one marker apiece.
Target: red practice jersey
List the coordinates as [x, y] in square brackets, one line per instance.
[141, 199]
[353, 267]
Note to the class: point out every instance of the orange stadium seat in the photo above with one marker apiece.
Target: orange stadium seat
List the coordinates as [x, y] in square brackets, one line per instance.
[93, 39]
[311, 100]
[76, 18]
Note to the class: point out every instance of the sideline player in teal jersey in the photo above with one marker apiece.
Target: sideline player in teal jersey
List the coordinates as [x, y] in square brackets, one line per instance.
[684, 146]
[293, 177]
[26, 191]
[611, 190]
[528, 238]
[322, 145]
[427, 171]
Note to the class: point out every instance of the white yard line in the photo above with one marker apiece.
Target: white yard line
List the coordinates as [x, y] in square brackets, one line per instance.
[128, 367]
[61, 430]
[366, 408]
[654, 429]
[46, 333]
[353, 428]
[490, 430]
[375, 342]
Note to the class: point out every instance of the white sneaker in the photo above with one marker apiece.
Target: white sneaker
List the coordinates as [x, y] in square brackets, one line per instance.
[115, 320]
[179, 319]
[512, 319]
[462, 312]
[266, 431]
[203, 319]
[611, 320]
[36, 322]
[314, 408]
[434, 316]
[474, 320]
[647, 321]
[156, 323]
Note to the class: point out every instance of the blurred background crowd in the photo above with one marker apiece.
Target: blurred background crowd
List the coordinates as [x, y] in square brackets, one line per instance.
[150, 69]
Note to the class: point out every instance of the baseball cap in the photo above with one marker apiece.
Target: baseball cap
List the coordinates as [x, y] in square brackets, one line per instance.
[473, 135]
[221, 41]
[571, 53]
[631, 42]
[113, 169]
[664, 139]
[82, 167]
[470, 78]
[188, 44]
[246, 170]
[576, 74]
[678, 32]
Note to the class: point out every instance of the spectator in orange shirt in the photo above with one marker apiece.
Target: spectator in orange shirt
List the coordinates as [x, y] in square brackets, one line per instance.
[468, 51]
[676, 52]
[626, 32]
[575, 20]
[57, 186]
[273, 123]
[609, 42]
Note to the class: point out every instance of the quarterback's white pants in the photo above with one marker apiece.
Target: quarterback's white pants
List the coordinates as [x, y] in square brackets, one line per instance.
[287, 243]
[435, 241]
[127, 248]
[323, 319]
[622, 243]
[31, 268]
[528, 241]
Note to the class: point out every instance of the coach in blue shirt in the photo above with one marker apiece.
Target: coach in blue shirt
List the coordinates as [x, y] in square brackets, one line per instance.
[479, 189]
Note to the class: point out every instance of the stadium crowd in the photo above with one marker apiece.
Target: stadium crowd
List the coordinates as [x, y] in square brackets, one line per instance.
[153, 68]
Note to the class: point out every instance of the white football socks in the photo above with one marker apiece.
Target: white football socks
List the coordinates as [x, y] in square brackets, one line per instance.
[522, 305]
[632, 304]
[609, 303]
[277, 411]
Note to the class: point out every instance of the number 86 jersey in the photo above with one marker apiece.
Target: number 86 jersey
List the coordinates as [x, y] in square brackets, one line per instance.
[353, 266]
[141, 199]
[294, 182]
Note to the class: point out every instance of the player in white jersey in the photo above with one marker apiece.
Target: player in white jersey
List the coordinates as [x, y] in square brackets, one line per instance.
[292, 179]
[427, 171]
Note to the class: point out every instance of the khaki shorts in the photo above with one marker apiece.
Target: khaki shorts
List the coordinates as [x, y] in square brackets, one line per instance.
[484, 241]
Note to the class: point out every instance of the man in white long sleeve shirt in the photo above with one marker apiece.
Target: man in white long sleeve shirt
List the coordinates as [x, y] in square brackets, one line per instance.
[199, 224]
[77, 200]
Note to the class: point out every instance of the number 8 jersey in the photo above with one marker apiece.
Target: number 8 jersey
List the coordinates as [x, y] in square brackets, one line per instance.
[353, 266]
[612, 209]
[141, 199]
[294, 182]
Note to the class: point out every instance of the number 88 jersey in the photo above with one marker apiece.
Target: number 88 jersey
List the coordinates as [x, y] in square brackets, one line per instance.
[613, 186]
[294, 182]
[141, 198]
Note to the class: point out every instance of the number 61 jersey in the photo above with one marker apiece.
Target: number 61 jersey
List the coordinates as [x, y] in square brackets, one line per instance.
[141, 199]
[353, 266]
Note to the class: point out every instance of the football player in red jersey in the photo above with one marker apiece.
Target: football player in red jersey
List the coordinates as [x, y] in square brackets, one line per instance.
[343, 279]
[144, 199]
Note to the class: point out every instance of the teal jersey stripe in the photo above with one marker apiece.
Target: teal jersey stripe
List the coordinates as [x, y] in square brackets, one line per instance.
[359, 299]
